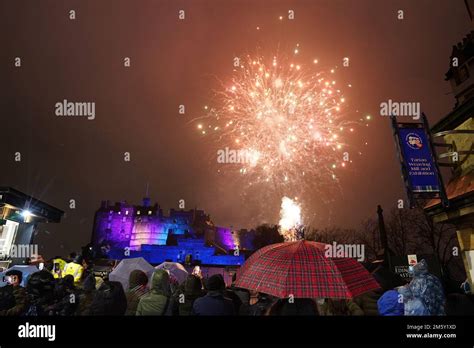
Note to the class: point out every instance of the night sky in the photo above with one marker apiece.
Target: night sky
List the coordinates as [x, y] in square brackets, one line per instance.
[177, 62]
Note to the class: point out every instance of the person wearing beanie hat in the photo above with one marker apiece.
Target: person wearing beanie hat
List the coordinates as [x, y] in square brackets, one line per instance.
[137, 288]
[214, 303]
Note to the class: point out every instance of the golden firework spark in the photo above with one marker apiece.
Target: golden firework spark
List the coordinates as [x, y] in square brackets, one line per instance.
[287, 115]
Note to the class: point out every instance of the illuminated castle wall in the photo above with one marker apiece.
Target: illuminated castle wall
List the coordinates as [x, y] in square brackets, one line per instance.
[147, 232]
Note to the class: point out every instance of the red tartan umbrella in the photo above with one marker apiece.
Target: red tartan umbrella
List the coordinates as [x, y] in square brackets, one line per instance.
[301, 269]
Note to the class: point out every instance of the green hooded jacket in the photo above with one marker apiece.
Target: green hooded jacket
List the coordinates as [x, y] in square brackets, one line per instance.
[157, 300]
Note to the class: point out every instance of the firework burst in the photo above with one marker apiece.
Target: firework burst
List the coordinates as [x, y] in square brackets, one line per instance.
[287, 119]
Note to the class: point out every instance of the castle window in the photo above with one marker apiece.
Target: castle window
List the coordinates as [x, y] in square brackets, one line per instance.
[149, 212]
[138, 212]
[126, 212]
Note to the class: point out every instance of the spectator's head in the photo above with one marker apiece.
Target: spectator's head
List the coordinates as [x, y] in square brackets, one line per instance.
[68, 281]
[40, 287]
[63, 286]
[89, 283]
[78, 259]
[420, 268]
[216, 283]
[337, 306]
[192, 285]
[16, 277]
[49, 265]
[160, 282]
[109, 299]
[137, 278]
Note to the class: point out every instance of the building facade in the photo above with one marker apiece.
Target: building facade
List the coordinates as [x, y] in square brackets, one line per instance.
[454, 135]
[180, 236]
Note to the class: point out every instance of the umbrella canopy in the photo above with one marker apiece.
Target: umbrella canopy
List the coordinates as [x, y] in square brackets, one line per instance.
[121, 273]
[25, 269]
[301, 269]
[177, 270]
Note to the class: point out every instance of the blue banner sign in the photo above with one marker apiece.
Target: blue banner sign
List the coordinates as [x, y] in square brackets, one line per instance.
[416, 151]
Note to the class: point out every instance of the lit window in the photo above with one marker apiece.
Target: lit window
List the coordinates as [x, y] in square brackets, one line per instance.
[149, 212]
[126, 212]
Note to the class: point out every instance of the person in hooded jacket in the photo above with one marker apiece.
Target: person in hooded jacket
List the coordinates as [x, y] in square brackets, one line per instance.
[137, 288]
[424, 295]
[190, 290]
[109, 299]
[159, 300]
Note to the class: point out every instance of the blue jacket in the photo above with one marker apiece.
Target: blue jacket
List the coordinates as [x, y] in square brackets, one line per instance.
[214, 303]
[390, 304]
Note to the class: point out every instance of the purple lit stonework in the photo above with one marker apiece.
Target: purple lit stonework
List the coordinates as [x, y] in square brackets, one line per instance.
[146, 232]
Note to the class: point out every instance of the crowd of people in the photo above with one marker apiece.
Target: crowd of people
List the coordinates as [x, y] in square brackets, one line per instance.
[77, 291]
